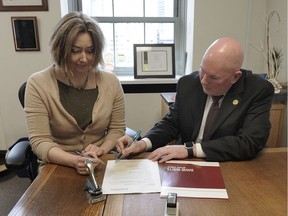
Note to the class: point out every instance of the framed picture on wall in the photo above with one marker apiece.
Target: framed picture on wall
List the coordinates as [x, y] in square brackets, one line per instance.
[154, 61]
[23, 5]
[25, 33]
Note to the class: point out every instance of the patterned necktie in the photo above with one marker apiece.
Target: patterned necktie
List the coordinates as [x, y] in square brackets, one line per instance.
[211, 117]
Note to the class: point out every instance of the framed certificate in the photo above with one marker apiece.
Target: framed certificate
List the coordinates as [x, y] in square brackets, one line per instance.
[154, 61]
[23, 5]
[25, 33]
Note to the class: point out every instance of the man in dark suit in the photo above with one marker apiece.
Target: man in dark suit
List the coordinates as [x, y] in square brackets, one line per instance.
[241, 127]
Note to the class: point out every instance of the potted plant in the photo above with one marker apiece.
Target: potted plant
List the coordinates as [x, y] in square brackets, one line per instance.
[272, 55]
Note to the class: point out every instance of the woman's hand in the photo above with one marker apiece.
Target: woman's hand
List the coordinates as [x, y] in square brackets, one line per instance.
[61, 157]
[93, 151]
[82, 168]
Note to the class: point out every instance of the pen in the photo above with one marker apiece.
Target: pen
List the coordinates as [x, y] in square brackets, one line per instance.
[137, 135]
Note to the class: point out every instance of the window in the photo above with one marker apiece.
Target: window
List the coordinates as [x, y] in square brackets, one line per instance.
[128, 22]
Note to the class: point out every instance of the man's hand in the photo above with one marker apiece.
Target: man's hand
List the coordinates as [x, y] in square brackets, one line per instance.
[136, 147]
[168, 152]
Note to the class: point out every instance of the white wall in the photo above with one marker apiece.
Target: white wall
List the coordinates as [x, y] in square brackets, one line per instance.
[254, 58]
[215, 19]
[212, 20]
[142, 111]
[17, 66]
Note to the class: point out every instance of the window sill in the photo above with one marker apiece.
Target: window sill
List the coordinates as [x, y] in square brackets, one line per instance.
[126, 80]
[149, 85]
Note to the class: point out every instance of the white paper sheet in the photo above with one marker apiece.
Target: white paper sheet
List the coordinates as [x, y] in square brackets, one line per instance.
[131, 176]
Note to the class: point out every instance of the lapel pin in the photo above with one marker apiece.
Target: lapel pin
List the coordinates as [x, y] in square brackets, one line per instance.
[235, 102]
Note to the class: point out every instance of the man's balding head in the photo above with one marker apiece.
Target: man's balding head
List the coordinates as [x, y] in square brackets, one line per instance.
[224, 53]
[220, 66]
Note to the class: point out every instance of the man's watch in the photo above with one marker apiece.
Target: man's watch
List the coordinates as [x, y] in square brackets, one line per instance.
[189, 146]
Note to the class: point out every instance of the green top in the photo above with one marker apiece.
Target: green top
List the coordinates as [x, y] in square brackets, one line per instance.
[78, 103]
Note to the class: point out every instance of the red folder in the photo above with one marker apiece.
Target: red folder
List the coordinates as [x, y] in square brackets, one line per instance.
[193, 180]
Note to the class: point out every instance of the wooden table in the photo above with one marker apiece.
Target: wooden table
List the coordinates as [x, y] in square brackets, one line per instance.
[256, 187]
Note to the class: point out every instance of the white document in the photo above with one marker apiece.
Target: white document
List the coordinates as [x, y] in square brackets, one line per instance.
[131, 176]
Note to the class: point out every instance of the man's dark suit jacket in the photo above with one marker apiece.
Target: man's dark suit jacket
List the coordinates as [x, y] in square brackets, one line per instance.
[242, 126]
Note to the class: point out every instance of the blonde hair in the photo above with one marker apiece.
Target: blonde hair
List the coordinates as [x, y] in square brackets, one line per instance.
[65, 34]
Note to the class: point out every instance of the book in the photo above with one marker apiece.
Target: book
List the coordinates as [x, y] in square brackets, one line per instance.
[192, 179]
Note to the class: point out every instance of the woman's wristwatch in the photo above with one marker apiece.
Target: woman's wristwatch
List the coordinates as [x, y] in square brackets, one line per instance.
[189, 146]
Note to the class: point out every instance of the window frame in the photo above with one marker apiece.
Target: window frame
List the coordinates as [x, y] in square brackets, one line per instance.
[179, 20]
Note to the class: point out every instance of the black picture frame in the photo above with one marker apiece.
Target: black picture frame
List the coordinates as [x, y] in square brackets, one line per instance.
[154, 61]
[27, 5]
[25, 33]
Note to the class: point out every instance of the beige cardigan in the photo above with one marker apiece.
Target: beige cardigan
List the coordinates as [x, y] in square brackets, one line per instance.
[50, 125]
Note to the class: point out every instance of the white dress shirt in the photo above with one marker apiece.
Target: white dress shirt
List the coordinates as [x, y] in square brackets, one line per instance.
[198, 148]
